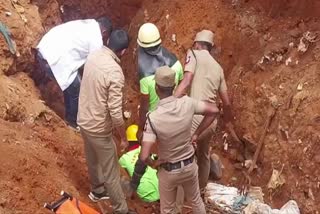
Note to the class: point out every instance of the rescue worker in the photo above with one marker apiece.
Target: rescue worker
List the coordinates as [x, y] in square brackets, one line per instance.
[148, 189]
[170, 125]
[206, 78]
[151, 55]
[100, 112]
[64, 49]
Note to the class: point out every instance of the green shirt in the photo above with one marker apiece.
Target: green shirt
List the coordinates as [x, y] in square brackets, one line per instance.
[148, 190]
[148, 85]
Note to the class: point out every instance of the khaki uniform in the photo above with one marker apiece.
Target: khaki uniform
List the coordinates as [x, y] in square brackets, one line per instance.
[100, 109]
[208, 80]
[100, 104]
[172, 123]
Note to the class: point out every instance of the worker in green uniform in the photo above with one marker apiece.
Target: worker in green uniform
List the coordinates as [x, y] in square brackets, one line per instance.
[148, 189]
[152, 55]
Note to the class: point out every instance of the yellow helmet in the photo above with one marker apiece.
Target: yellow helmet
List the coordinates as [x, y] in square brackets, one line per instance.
[132, 133]
[148, 36]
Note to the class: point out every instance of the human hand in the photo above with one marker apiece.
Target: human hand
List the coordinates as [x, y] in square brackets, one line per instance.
[234, 135]
[155, 164]
[140, 134]
[123, 145]
[153, 161]
[194, 140]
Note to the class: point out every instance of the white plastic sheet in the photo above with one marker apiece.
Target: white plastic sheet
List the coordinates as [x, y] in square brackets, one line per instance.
[227, 198]
[257, 207]
[222, 196]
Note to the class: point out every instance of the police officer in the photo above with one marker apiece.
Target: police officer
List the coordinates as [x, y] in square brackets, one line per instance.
[151, 55]
[206, 78]
[170, 125]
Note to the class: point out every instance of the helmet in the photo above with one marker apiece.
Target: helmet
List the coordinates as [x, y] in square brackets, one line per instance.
[148, 36]
[132, 133]
[205, 36]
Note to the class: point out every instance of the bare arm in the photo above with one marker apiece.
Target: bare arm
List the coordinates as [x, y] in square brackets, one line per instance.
[144, 105]
[189, 70]
[210, 111]
[145, 151]
[184, 84]
[227, 112]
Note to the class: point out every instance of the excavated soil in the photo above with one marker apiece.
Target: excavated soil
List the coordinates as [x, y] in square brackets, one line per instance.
[269, 59]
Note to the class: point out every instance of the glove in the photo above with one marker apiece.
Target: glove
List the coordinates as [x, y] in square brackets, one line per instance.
[139, 170]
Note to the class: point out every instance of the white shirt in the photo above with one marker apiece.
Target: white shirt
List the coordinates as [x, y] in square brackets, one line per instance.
[67, 46]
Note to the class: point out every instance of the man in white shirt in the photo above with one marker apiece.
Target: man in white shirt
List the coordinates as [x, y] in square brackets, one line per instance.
[64, 49]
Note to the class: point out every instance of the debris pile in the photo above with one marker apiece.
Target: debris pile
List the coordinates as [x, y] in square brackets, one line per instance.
[289, 55]
[228, 200]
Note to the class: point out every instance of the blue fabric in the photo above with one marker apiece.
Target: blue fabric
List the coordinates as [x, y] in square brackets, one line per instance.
[5, 32]
[241, 202]
[71, 101]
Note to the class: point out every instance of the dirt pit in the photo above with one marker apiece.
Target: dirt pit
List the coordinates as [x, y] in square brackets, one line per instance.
[268, 59]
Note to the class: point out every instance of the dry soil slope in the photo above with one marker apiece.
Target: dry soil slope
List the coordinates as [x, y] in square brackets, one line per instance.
[245, 32]
[41, 149]
[39, 156]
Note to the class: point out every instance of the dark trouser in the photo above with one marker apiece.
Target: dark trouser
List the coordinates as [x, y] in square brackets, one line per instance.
[71, 100]
[203, 161]
[203, 155]
[71, 94]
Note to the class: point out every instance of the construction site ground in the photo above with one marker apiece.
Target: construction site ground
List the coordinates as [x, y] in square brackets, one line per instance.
[270, 52]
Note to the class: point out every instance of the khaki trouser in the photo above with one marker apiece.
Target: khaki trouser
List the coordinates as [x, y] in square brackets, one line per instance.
[187, 178]
[203, 156]
[103, 167]
[203, 161]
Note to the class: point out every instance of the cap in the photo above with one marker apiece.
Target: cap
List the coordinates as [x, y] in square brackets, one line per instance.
[205, 36]
[165, 76]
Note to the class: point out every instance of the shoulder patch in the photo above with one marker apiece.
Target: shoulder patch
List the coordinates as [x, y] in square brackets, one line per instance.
[188, 58]
[145, 126]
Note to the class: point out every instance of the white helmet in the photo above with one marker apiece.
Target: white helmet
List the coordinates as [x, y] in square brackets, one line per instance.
[148, 36]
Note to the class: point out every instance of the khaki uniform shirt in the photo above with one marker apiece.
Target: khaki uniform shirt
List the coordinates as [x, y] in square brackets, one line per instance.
[208, 78]
[172, 121]
[100, 101]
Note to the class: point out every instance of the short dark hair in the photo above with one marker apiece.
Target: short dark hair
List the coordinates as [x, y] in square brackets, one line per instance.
[166, 90]
[205, 44]
[118, 40]
[106, 23]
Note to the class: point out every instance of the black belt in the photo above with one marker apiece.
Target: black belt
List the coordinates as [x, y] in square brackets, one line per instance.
[172, 166]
